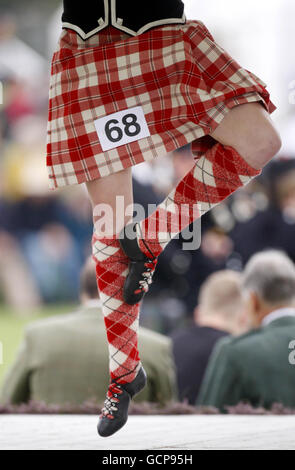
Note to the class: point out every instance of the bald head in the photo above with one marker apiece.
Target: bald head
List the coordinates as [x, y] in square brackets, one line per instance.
[221, 298]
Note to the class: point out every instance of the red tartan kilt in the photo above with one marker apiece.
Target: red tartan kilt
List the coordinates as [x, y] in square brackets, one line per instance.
[183, 81]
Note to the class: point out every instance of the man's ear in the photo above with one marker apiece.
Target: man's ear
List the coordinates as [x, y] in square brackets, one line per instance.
[255, 302]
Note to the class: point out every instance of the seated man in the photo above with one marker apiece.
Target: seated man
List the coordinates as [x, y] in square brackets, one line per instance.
[217, 315]
[64, 359]
[258, 367]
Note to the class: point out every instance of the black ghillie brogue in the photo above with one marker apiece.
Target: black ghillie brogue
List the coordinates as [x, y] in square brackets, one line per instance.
[114, 415]
[141, 267]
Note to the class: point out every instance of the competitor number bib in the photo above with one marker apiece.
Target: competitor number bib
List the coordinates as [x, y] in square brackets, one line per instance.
[122, 128]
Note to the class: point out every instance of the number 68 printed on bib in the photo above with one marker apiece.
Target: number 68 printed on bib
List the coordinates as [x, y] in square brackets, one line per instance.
[122, 128]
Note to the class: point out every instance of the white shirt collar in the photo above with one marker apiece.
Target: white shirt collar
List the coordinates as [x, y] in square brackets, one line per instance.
[282, 312]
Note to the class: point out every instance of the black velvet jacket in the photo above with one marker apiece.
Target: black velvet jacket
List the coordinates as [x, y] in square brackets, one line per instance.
[132, 16]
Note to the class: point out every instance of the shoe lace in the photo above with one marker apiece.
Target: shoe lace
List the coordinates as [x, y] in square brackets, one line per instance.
[111, 400]
[147, 276]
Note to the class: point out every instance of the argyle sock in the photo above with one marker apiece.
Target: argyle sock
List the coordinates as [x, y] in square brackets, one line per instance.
[121, 320]
[216, 175]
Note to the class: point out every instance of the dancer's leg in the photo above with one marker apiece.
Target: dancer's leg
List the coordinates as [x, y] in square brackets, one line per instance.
[121, 320]
[127, 376]
[105, 192]
[248, 128]
[247, 141]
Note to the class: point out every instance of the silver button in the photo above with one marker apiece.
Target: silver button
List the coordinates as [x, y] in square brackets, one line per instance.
[100, 21]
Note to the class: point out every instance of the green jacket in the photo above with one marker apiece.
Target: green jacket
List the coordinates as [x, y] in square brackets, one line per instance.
[254, 367]
[64, 359]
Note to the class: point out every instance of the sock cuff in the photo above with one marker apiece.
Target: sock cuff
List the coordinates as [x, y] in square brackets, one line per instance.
[108, 239]
[242, 166]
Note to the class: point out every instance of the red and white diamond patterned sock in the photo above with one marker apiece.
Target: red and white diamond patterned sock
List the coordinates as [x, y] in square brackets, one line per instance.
[216, 175]
[121, 320]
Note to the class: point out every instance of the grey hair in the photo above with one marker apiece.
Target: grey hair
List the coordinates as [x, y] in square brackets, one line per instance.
[271, 275]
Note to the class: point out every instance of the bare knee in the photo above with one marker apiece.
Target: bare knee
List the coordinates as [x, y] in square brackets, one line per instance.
[269, 143]
[112, 201]
[262, 147]
[249, 129]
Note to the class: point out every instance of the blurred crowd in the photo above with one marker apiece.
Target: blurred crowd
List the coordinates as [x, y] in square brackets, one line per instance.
[45, 236]
[45, 239]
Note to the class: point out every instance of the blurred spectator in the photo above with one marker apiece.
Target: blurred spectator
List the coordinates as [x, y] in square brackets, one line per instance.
[217, 315]
[274, 225]
[52, 233]
[54, 261]
[17, 286]
[53, 239]
[65, 359]
[256, 367]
